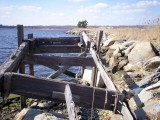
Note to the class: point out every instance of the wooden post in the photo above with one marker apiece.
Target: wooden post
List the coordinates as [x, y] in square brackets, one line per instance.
[70, 104]
[83, 67]
[31, 67]
[20, 35]
[94, 69]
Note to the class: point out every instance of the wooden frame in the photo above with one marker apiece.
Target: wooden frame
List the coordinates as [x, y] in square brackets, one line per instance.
[42, 88]
[60, 91]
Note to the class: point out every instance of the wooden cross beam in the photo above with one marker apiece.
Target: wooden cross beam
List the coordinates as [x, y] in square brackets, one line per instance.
[60, 60]
[42, 88]
[57, 41]
[56, 49]
[63, 69]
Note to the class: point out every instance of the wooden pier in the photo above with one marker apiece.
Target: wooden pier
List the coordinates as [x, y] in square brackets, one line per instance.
[14, 80]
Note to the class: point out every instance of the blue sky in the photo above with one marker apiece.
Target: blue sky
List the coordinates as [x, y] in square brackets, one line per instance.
[69, 12]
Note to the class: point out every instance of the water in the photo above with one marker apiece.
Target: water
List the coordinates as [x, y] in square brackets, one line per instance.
[8, 44]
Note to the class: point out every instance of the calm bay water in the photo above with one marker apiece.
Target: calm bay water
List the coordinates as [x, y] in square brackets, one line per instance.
[8, 44]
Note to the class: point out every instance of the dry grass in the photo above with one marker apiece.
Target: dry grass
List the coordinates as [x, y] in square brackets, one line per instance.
[151, 31]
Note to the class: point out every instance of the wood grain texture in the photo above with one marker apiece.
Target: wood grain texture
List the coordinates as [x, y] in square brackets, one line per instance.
[60, 60]
[70, 104]
[14, 61]
[108, 82]
[58, 41]
[42, 88]
[56, 49]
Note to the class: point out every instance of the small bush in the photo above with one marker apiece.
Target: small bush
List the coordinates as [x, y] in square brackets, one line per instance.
[82, 24]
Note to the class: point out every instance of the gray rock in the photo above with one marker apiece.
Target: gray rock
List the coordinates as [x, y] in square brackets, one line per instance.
[122, 64]
[156, 45]
[141, 52]
[45, 117]
[128, 50]
[129, 43]
[116, 117]
[155, 77]
[138, 101]
[151, 110]
[152, 64]
[108, 42]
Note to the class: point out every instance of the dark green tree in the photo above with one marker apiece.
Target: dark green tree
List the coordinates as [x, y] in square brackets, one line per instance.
[82, 24]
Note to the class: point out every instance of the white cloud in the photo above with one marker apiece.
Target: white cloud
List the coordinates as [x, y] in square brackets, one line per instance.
[92, 9]
[121, 6]
[30, 8]
[77, 0]
[147, 3]
[128, 11]
[6, 8]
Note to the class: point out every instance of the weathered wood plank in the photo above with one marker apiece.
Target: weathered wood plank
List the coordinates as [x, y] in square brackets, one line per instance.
[42, 88]
[31, 67]
[20, 35]
[94, 69]
[60, 60]
[108, 82]
[56, 49]
[63, 69]
[58, 41]
[70, 104]
[13, 62]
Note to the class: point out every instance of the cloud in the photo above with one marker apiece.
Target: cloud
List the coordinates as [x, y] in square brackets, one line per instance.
[77, 0]
[121, 6]
[30, 8]
[147, 3]
[6, 8]
[96, 8]
[128, 11]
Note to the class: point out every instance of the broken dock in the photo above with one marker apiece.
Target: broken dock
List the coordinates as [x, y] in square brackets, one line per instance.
[31, 51]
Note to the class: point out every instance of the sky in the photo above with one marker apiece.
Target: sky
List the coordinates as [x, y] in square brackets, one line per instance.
[69, 12]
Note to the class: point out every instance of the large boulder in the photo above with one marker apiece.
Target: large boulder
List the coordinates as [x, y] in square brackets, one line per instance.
[156, 46]
[152, 64]
[151, 111]
[141, 52]
[138, 101]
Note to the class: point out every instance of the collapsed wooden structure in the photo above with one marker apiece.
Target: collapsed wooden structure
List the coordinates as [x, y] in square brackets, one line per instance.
[31, 51]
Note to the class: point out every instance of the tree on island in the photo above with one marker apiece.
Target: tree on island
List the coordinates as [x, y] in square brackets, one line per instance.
[82, 24]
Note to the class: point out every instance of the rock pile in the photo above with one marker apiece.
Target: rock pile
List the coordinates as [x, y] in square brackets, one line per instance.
[135, 68]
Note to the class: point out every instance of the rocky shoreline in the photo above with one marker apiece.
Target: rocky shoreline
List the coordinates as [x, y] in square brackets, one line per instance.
[135, 68]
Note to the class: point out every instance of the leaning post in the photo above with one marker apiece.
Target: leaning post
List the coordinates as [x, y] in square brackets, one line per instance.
[20, 34]
[95, 69]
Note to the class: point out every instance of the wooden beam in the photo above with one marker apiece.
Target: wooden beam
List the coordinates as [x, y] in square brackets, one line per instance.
[60, 60]
[42, 88]
[107, 80]
[70, 104]
[63, 69]
[20, 35]
[58, 41]
[31, 67]
[13, 62]
[56, 49]
[95, 69]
